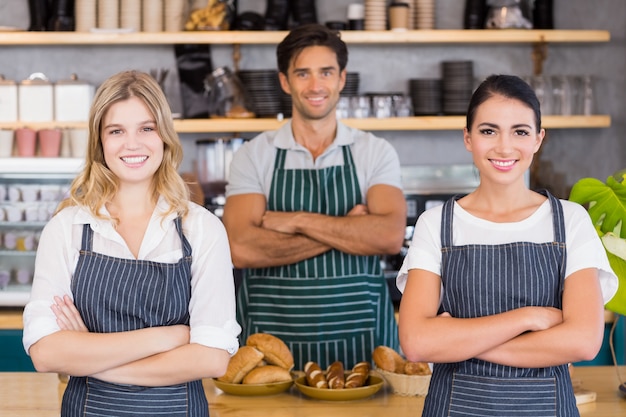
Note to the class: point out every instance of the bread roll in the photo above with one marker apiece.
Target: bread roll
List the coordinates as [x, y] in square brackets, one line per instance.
[242, 362]
[388, 359]
[267, 375]
[416, 368]
[335, 375]
[275, 350]
[314, 375]
[358, 376]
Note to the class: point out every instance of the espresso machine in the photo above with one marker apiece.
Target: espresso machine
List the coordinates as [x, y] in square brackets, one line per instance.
[212, 167]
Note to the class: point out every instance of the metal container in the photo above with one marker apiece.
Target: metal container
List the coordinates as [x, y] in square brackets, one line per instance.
[35, 99]
[8, 100]
[72, 100]
[213, 163]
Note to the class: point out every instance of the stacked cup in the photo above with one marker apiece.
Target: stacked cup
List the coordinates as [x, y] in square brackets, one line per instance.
[174, 15]
[153, 15]
[130, 14]
[85, 15]
[375, 15]
[108, 14]
[425, 10]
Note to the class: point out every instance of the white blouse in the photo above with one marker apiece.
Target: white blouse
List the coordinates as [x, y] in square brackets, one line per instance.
[212, 305]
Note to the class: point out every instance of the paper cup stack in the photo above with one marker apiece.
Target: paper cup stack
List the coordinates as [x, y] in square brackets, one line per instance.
[375, 15]
[153, 15]
[85, 15]
[425, 14]
[108, 15]
[174, 15]
[130, 15]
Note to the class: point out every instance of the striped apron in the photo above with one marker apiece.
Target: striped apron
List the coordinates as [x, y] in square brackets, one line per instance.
[509, 276]
[334, 306]
[118, 295]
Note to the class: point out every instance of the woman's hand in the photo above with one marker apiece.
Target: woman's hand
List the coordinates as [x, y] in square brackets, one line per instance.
[68, 317]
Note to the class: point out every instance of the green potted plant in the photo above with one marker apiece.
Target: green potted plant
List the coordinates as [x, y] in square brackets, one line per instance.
[606, 204]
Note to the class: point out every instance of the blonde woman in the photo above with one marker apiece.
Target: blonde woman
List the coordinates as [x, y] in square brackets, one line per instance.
[133, 293]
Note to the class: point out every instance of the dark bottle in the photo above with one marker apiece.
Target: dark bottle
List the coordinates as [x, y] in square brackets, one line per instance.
[475, 13]
[38, 10]
[61, 16]
[543, 14]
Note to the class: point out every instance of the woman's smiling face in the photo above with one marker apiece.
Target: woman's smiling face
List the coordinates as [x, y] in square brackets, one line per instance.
[503, 138]
[133, 149]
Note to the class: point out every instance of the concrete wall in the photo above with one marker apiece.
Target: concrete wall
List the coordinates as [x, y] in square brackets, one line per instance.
[571, 153]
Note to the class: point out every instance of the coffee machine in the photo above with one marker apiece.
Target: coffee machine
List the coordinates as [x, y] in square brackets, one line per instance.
[426, 186]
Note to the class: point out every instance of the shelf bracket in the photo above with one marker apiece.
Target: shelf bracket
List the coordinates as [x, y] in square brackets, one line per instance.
[236, 56]
[539, 55]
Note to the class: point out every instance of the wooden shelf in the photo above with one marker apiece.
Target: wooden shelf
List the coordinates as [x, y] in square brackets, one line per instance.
[436, 36]
[389, 124]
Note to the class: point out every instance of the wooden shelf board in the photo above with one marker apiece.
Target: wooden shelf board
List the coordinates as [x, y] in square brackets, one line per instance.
[274, 37]
[389, 124]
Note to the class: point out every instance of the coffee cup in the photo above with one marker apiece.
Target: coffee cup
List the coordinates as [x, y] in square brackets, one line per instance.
[49, 142]
[26, 139]
[6, 143]
[79, 139]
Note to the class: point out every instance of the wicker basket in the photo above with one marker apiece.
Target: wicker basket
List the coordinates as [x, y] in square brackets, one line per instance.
[407, 385]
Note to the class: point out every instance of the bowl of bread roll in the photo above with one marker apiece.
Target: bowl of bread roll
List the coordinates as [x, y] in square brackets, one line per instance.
[261, 367]
[405, 377]
[337, 383]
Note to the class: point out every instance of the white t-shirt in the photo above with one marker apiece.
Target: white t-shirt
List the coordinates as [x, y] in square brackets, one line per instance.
[212, 305]
[584, 247]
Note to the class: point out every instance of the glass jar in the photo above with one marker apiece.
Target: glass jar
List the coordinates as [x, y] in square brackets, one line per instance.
[227, 96]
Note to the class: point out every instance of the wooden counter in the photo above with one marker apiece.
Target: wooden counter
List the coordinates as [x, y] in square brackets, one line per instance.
[32, 394]
[11, 318]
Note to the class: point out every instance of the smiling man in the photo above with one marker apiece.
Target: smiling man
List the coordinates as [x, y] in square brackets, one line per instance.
[309, 209]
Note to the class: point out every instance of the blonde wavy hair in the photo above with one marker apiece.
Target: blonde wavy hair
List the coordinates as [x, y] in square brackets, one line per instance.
[97, 184]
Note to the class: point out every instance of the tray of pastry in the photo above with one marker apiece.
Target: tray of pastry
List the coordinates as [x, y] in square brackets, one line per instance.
[337, 384]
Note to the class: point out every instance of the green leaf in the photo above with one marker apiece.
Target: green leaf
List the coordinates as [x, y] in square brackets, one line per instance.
[606, 203]
[617, 304]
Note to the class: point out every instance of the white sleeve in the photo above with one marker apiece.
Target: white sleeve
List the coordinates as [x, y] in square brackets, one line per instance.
[54, 266]
[425, 249]
[212, 305]
[244, 175]
[585, 249]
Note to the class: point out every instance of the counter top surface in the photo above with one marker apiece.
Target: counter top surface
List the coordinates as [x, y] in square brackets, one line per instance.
[29, 394]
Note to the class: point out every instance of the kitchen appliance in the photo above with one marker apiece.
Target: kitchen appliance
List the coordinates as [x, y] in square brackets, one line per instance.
[212, 167]
[426, 186]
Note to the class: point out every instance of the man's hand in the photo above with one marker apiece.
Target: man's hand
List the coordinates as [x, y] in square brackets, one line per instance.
[281, 221]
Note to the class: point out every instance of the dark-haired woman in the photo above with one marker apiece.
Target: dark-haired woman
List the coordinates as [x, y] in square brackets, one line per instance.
[504, 286]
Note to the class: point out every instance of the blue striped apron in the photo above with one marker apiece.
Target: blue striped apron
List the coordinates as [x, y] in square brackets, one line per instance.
[508, 276]
[118, 295]
[334, 306]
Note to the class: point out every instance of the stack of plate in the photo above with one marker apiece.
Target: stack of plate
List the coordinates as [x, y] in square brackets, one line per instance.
[375, 15]
[425, 10]
[352, 85]
[458, 85]
[425, 96]
[264, 90]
